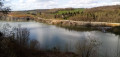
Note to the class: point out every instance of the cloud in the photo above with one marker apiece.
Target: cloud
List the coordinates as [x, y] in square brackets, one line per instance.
[44, 0]
[31, 4]
[91, 3]
[47, 4]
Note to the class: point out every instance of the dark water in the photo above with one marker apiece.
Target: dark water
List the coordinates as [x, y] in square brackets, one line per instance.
[50, 36]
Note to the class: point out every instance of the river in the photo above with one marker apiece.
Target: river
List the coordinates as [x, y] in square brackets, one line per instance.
[50, 36]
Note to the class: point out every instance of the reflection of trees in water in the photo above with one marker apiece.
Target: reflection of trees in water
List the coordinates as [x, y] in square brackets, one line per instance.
[78, 28]
[118, 47]
[113, 52]
[55, 43]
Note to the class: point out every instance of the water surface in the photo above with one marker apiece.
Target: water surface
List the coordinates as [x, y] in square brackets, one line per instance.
[50, 36]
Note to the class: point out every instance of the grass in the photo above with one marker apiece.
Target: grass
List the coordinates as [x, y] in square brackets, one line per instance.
[72, 11]
[14, 14]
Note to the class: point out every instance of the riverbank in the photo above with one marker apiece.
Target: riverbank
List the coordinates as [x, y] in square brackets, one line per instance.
[76, 23]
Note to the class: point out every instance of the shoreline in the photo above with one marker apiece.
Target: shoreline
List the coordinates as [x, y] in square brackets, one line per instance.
[76, 23]
[65, 22]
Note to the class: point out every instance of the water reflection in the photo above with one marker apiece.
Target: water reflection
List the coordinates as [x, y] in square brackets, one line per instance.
[52, 37]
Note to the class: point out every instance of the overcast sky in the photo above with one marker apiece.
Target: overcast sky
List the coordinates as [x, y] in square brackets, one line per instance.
[48, 4]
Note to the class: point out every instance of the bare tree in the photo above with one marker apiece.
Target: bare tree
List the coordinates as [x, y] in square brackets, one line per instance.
[87, 47]
[3, 10]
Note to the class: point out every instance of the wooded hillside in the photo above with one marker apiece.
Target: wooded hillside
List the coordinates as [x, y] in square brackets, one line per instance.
[97, 14]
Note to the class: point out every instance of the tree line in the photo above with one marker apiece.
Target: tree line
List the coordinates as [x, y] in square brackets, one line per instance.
[98, 14]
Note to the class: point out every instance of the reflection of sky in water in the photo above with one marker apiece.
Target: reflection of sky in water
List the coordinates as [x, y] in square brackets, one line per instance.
[52, 36]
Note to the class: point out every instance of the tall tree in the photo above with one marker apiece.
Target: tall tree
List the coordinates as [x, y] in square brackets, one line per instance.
[3, 10]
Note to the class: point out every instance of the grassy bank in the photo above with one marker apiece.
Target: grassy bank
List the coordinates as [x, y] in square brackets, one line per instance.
[77, 23]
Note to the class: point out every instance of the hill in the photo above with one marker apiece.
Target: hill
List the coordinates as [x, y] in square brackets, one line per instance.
[97, 14]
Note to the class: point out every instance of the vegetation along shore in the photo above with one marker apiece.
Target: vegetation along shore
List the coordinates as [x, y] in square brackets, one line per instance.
[98, 16]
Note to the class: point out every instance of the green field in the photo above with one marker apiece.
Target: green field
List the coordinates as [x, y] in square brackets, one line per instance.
[72, 11]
